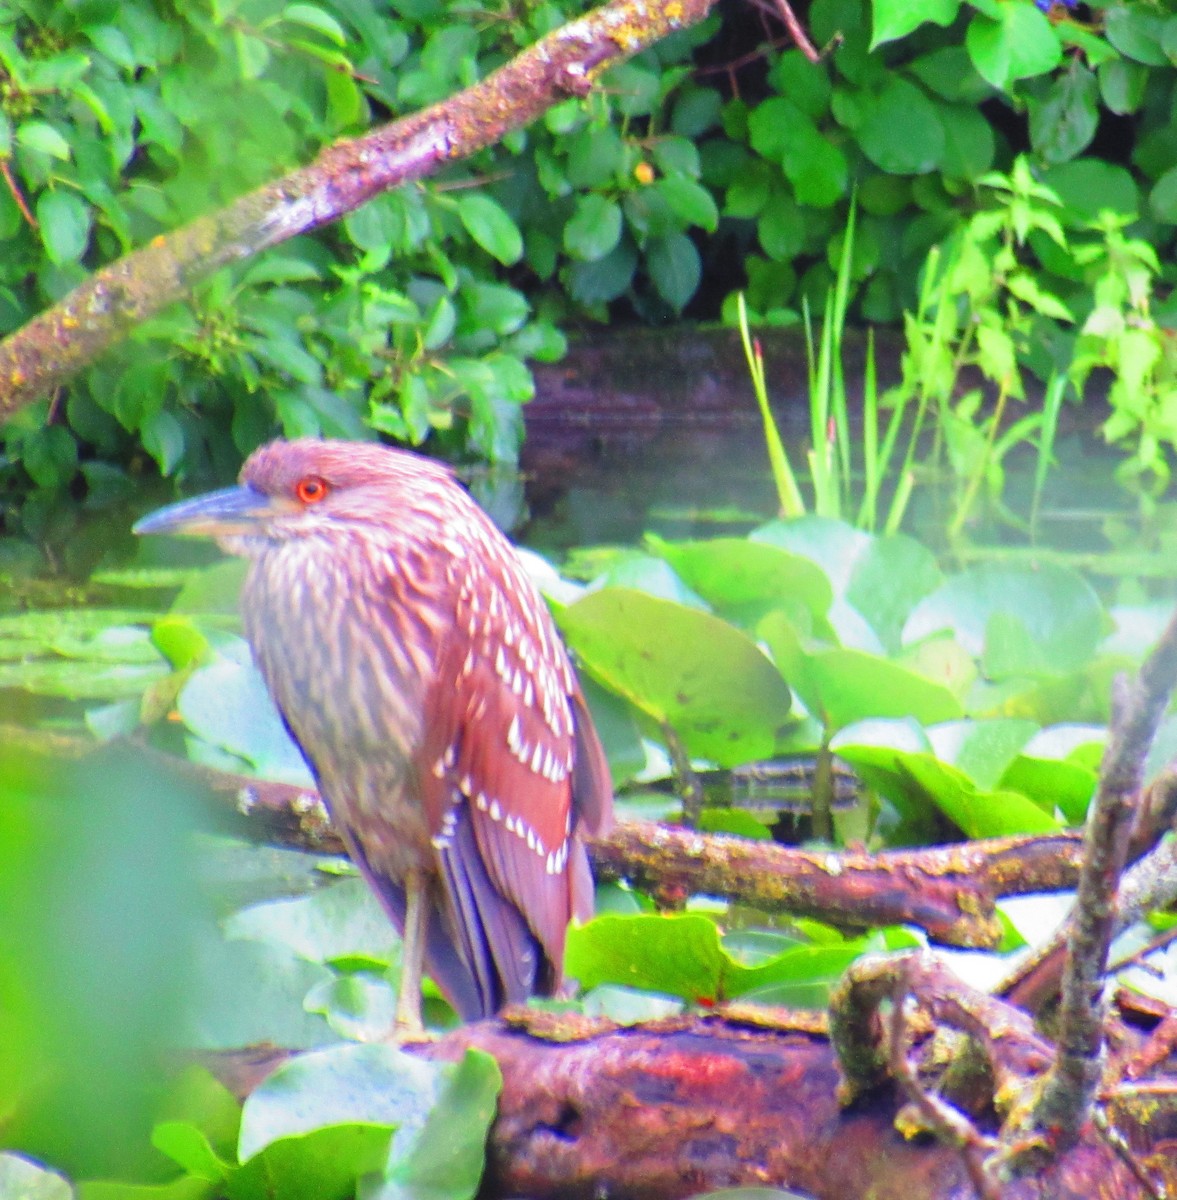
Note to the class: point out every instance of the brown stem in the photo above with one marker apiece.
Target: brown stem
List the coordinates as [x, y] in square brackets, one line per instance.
[690, 790]
[1053, 1123]
[798, 31]
[17, 194]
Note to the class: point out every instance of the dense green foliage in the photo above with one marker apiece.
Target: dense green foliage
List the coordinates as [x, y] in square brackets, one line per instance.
[674, 184]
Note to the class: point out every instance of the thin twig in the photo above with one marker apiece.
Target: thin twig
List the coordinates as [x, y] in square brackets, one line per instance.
[1053, 1123]
[949, 1124]
[17, 194]
[797, 30]
[687, 784]
[1155, 1189]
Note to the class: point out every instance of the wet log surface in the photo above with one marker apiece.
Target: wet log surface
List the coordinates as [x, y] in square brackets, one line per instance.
[667, 1109]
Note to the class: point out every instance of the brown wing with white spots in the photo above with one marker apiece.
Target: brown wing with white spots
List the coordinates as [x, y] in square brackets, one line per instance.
[508, 746]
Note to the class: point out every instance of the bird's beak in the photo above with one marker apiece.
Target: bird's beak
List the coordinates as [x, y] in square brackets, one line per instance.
[234, 510]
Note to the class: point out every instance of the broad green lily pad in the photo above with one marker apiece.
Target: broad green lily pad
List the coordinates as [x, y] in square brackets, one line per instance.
[227, 705]
[840, 686]
[711, 683]
[743, 579]
[882, 577]
[684, 955]
[1018, 619]
[82, 679]
[342, 923]
[916, 780]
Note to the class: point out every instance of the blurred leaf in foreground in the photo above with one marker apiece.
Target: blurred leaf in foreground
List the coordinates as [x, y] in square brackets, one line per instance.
[97, 893]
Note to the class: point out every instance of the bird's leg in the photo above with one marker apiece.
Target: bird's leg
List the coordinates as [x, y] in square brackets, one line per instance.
[408, 1001]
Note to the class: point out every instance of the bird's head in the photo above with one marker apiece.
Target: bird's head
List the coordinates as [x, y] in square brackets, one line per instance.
[306, 488]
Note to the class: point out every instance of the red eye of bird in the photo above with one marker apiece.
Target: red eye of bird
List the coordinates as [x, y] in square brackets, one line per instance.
[311, 489]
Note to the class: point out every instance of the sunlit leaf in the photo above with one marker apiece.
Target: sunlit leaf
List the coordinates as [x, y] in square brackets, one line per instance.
[226, 704]
[703, 677]
[1018, 619]
[743, 579]
[343, 923]
[840, 686]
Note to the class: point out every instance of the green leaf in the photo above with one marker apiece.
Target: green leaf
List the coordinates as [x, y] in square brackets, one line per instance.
[1087, 186]
[839, 686]
[707, 680]
[653, 576]
[39, 135]
[358, 1007]
[969, 143]
[1122, 84]
[593, 229]
[768, 127]
[1063, 122]
[1019, 43]
[253, 54]
[189, 1147]
[1053, 777]
[342, 1085]
[249, 992]
[743, 579]
[489, 224]
[902, 132]
[894, 19]
[690, 201]
[696, 110]
[606, 278]
[22, 1179]
[81, 679]
[444, 1158]
[226, 704]
[679, 954]
[341, 924]
[1137, 32]
[323, 1164]
[749, 191]
[815, 167]
[887, 578]
[1020, 620]
[675, 268]
[595, 155]
[806, 84]
[374, 226]
[1162, 200]
[917, 780]
[782, 228]
[117, 643]
[64, 218]
[311, 17]
[682, 955]
[163, 438]
[734, 821]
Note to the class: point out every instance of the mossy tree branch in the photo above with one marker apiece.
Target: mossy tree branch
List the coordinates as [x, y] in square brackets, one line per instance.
[46, 351]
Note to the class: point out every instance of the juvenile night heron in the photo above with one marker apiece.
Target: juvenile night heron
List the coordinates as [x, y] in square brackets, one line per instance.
[418, 669]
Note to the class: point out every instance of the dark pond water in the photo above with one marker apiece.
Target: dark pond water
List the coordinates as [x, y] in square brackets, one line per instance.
[605, 476]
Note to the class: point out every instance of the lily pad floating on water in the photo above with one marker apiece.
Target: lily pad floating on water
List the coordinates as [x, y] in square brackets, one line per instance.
[840, 686]
[743, 580]
[1017, 619]
[685, 668]
[882, 577]
[961, 769]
